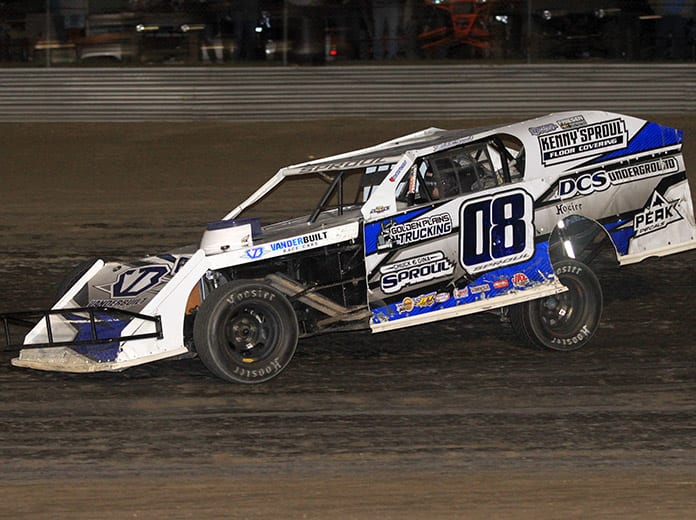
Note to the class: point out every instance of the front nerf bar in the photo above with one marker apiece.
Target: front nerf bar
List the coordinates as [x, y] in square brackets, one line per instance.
[94, 315]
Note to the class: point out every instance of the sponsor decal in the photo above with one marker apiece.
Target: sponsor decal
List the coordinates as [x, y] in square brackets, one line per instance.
[587, 183]
[520, 280]
[583, 184]
[642, 171]
[530, 275]
[572, 122]
[480, 289]
[564, 209]
[496, 230]
[406, 305]
[658, 214]
[575, 143]
[254, 252]
[414, 271]
[460, 293]
[118, 303]
[397, 235]
[341, 165]
[132, 286]
[137, 280]
[379, 209]
[426, 300]
[543, 129]
[399, 168]
[501, 284]
[442, 297]
[293, 244]
[423, 301]
[298, 243]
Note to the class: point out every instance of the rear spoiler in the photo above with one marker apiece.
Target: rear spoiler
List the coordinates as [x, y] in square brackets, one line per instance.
[95, 317]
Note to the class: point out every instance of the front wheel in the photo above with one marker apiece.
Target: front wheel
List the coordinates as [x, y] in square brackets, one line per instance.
[565, 321]
[245, 332]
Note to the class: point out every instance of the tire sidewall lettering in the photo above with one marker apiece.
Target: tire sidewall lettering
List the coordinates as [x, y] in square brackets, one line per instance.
[226, 356]
[263, 371]
[565, 323]
[570, 269]
[575, 340]
[250, 294]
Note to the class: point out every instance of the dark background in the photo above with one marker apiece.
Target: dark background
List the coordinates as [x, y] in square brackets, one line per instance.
[217, 32]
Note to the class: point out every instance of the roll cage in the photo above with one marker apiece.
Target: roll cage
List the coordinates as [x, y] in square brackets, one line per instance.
[460, 170]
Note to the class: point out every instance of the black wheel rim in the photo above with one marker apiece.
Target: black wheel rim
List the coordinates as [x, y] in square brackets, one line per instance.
[250, 333]
[563, 314]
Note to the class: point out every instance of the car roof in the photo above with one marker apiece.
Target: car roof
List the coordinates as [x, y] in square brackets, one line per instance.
[389, 151]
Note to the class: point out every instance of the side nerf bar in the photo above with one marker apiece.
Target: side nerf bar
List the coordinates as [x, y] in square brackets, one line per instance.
[94, 316]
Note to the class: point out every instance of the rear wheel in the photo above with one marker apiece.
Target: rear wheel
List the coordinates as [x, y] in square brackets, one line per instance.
[245, 332]
[565, 321]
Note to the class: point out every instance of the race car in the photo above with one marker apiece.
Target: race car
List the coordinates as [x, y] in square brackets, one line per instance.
[433, 225]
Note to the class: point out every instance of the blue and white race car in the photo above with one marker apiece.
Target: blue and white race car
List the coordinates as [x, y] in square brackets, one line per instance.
[433, 225]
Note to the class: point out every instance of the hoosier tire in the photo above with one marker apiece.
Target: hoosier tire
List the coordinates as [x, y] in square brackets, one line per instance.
[245, 332]
[565, 321]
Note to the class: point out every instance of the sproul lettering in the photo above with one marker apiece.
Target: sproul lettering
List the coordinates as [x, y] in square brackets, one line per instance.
[393, 280]
[341, 165]
[562, 140]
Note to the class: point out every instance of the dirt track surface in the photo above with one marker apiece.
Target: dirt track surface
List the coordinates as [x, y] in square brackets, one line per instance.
[450, 420]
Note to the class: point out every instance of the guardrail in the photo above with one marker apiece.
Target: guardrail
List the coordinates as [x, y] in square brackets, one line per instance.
[301, 93]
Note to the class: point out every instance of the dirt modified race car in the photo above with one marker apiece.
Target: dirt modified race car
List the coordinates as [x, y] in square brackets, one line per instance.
[433, 225]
